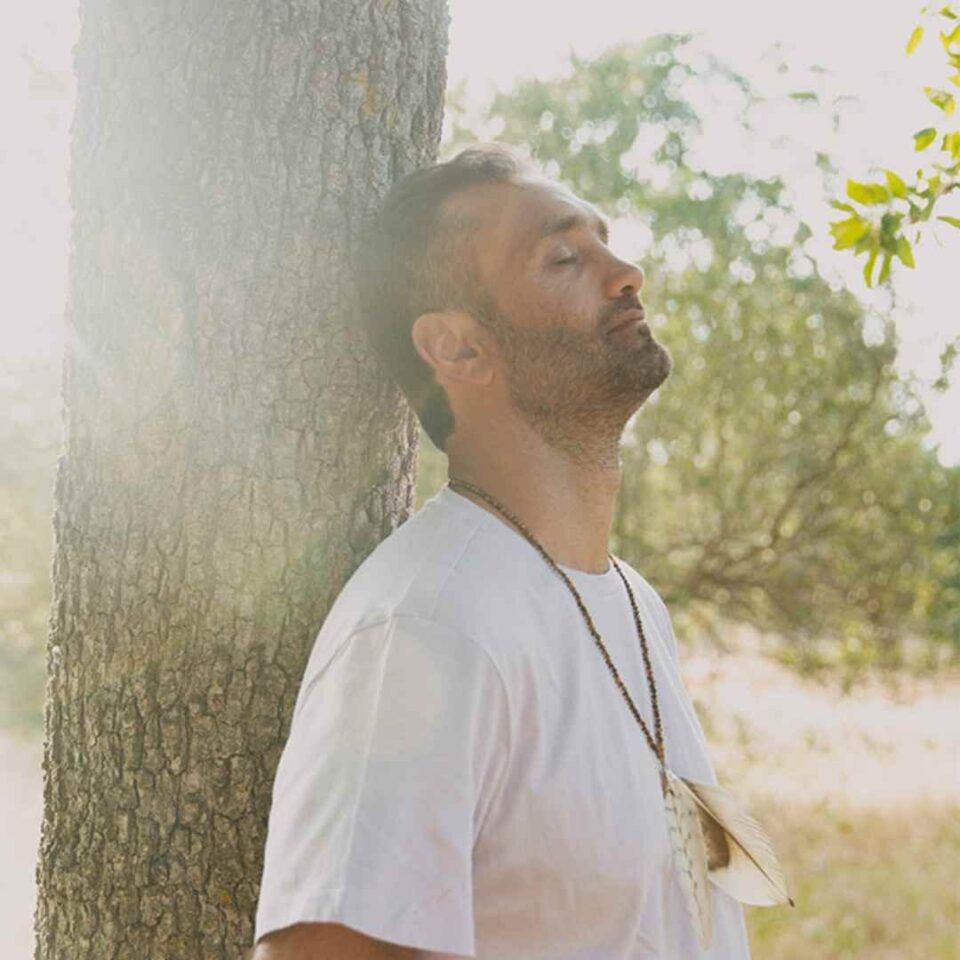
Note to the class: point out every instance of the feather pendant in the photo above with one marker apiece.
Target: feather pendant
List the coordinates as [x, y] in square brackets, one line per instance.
[689, 854]
[740, 856]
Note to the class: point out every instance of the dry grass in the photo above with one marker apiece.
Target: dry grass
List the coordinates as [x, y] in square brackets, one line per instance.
[861, 795]
[870, 885]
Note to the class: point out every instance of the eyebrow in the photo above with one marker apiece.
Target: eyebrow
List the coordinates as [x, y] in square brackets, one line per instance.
[570, 221]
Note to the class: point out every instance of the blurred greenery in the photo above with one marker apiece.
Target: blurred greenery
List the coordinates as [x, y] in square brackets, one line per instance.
[29, 445]
[867, 883]
[783, 476]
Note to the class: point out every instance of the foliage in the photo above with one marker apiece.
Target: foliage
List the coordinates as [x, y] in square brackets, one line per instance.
[781, 477]
[29, 443]
[884, 219]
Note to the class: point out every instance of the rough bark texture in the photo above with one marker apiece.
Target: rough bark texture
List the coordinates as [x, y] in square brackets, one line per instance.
[231, 450]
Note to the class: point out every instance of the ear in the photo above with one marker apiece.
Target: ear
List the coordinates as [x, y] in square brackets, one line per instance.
[450, 342]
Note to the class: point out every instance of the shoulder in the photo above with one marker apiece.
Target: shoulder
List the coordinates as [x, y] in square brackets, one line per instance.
[445, 571]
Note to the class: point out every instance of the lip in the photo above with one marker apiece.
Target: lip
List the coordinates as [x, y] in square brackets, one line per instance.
[626, 318]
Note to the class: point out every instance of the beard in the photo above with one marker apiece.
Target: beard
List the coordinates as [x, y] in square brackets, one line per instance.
[578, 388]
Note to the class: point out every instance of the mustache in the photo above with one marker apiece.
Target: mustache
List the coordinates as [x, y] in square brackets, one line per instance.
[619, 306]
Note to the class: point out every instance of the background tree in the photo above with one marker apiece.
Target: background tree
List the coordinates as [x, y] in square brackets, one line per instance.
[231, 453]
[781, 477]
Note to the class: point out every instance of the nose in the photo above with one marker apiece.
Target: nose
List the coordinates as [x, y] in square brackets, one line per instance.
[625, 279]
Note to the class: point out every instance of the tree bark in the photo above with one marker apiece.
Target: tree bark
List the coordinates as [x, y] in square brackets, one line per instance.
[232, 452]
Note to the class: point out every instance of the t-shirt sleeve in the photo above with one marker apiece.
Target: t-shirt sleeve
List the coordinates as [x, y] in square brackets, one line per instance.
[397, 747]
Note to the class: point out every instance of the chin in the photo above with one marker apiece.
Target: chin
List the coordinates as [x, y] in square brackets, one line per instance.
[655, 369]
[666, 362]
[656, 366]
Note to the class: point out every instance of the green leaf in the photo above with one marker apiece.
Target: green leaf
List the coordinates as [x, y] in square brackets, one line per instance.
[947, 11]
[804, 95]
[942, 99]
[915, 38]
[955, 79]
[885, 268]
[868, 269]
[953, 221]
[868, 193]
[847, 232]
[923, 138]
[837, 205]
[889, 230]
[895, 185]
[949, 38]
[905, 252]
[951, 144]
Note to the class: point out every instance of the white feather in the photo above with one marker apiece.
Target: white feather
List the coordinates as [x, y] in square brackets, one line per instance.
[740, 856]
[690, 855]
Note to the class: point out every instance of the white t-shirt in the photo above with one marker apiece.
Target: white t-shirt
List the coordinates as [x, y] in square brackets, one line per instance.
[462, 774]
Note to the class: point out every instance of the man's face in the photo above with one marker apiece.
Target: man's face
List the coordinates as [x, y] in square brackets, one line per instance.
[565, 313]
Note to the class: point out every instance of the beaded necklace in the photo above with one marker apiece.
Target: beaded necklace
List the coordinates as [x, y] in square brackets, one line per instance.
[711, 834]
[656, 741]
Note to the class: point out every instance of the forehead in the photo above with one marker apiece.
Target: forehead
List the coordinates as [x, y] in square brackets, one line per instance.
[514, 218]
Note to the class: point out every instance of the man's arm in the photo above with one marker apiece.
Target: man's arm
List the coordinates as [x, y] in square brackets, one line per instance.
[327, 941]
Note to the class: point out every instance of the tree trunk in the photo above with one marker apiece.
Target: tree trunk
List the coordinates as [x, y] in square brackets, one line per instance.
[232, 452]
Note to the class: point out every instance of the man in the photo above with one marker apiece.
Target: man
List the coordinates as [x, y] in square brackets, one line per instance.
[462, 775]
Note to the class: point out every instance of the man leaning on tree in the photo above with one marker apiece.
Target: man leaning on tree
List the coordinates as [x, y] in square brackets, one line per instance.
[463, 776]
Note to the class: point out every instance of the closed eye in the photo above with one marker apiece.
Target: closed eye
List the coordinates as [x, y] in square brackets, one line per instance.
[565, 260]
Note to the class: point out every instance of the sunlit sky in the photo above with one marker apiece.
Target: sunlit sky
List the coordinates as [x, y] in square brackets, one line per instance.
[493, 42]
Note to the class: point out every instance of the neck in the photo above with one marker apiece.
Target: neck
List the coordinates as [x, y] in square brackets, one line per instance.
[565, 503]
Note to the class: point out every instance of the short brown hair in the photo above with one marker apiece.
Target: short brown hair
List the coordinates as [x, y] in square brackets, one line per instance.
[417, 256]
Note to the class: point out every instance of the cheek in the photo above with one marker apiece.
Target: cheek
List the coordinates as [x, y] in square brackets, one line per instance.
[556, 301]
